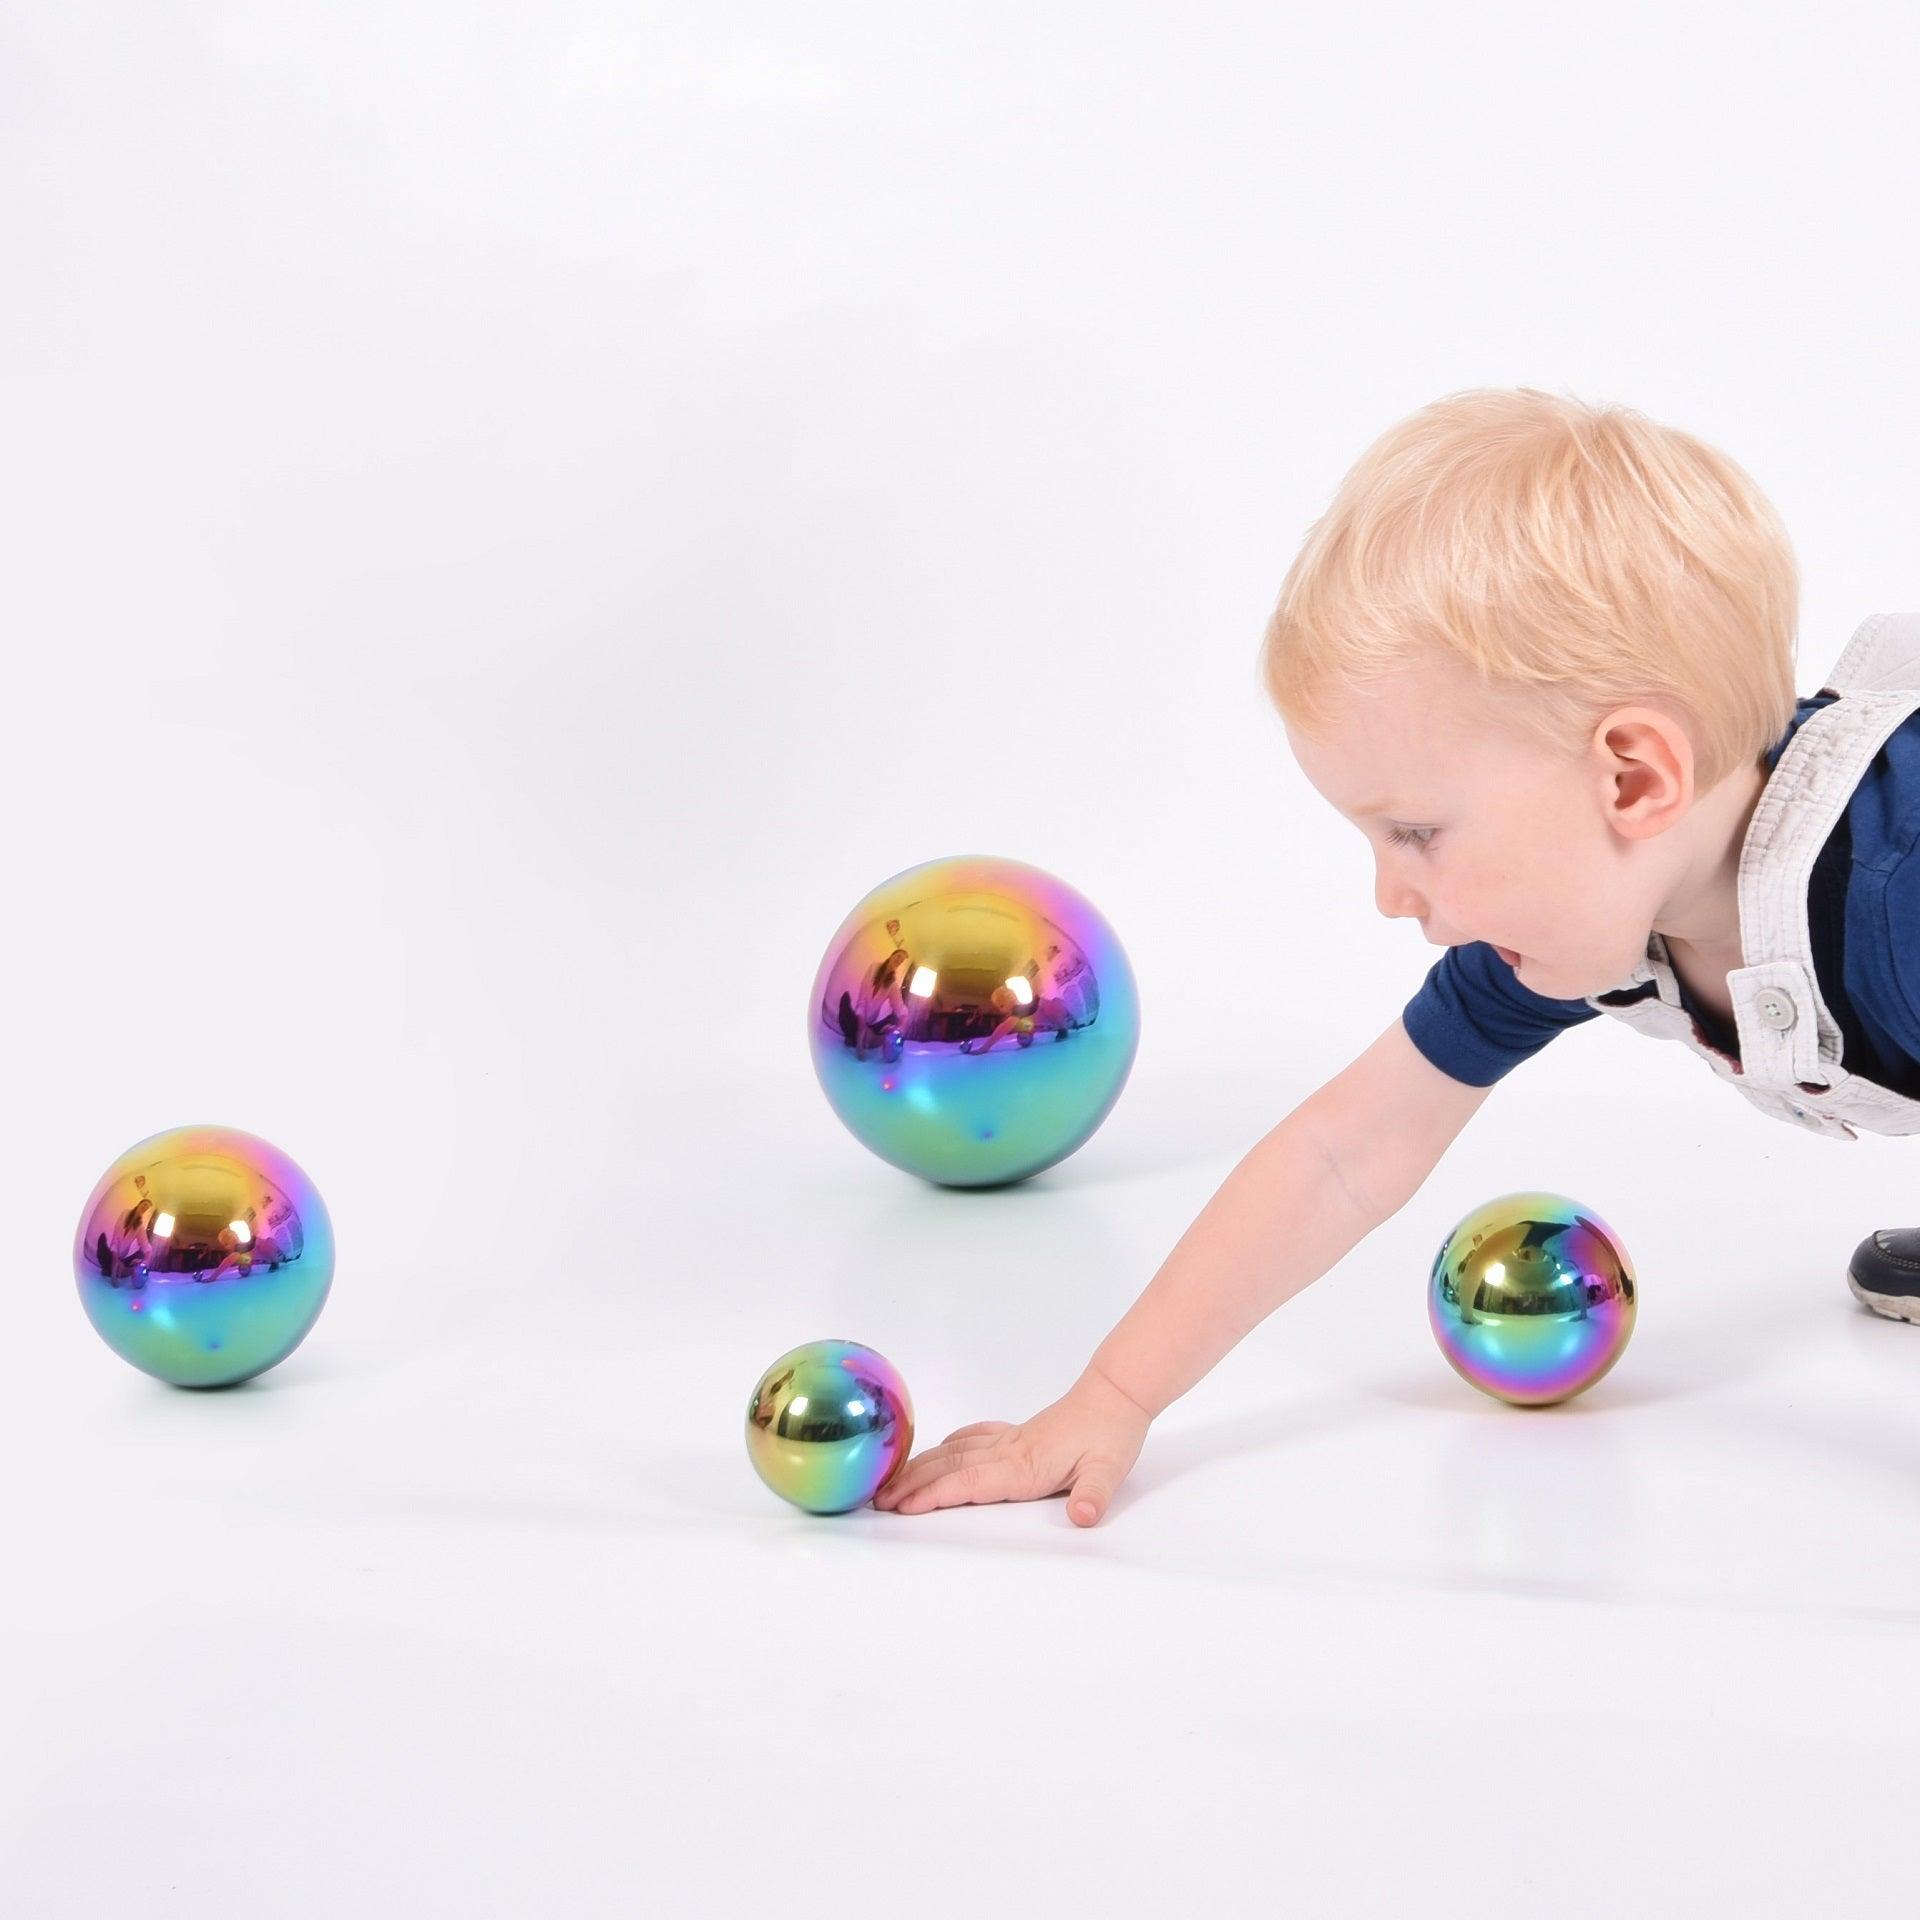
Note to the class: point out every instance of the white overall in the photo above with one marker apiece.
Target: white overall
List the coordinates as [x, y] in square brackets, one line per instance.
[1789, 1064]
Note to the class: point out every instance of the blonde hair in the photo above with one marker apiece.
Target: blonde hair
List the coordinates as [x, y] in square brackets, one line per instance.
[1586, 555]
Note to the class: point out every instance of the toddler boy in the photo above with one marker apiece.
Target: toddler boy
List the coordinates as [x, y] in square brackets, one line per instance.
[1541, 655]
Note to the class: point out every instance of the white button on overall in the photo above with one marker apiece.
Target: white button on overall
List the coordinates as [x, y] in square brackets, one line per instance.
[1774, 1008]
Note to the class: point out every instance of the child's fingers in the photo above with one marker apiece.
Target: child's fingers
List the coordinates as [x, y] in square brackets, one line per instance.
[1092, 1492]
[929, 1466]
[979, 1426]
[976, 1482]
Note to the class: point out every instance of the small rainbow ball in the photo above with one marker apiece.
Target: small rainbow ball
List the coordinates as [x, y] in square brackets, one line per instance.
[203, 1256]
[829, 1425]
[973, 1021]
[1532, 1298]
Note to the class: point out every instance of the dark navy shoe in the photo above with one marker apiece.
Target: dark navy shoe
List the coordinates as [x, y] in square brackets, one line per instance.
[1885, 1274]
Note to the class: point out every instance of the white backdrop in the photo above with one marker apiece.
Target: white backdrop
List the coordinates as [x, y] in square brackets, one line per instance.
[516, 517]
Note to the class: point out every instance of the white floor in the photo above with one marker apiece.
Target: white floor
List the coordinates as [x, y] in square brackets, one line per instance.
[477, 1605]
[516, 517]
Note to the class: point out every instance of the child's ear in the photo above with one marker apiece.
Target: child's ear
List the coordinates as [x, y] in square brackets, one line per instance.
[1644, 761]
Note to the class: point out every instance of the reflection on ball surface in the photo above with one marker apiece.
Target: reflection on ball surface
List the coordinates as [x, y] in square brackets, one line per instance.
[973, 1021]
[203, 1256]
[828, 1425]
[1532, 1298]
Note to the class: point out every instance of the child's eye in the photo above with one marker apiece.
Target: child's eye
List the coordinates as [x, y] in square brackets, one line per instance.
[1421, 837]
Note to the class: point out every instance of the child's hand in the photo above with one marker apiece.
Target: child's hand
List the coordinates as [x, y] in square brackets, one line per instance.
[1083, 1445]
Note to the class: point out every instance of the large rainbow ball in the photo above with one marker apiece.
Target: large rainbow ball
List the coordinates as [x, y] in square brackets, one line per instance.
[973, 1021]
[204, 1255]
[1532, 1298]
[829, 1425]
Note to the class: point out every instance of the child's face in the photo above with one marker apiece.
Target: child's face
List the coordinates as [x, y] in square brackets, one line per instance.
[1481, 832]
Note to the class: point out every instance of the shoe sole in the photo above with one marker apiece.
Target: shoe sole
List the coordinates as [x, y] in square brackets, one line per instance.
[1890, 1306]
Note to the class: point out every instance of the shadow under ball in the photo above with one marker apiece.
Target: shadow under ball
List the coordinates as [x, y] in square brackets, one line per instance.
[973, 1021]
[203, 1256]
[1532, 1298]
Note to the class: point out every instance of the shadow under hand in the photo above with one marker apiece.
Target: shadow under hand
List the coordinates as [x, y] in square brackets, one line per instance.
[1172, 1457]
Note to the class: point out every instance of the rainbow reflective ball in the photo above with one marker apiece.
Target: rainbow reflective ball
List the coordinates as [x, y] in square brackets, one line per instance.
[203, 1256]
[974, 1021]
[1532, 1298]
[828, 1425]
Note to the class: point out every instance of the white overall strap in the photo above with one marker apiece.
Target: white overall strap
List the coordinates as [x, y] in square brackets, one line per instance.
[1790, 1064]
[1883, 653]
[1788, 1036]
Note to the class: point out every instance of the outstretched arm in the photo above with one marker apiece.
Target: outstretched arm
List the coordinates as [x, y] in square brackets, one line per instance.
[1348, 1157]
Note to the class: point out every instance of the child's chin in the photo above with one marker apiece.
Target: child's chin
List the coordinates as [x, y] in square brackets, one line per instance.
[1562, 983]
[1545, 978]
[1553, 980]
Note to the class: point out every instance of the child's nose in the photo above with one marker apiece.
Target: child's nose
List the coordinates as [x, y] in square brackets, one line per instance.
[1395, 899]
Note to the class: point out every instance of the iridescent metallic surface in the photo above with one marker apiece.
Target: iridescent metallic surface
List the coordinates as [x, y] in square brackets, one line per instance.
[1532, 1298]
[828, 1425]
[203, 1256]
[974, 1021]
